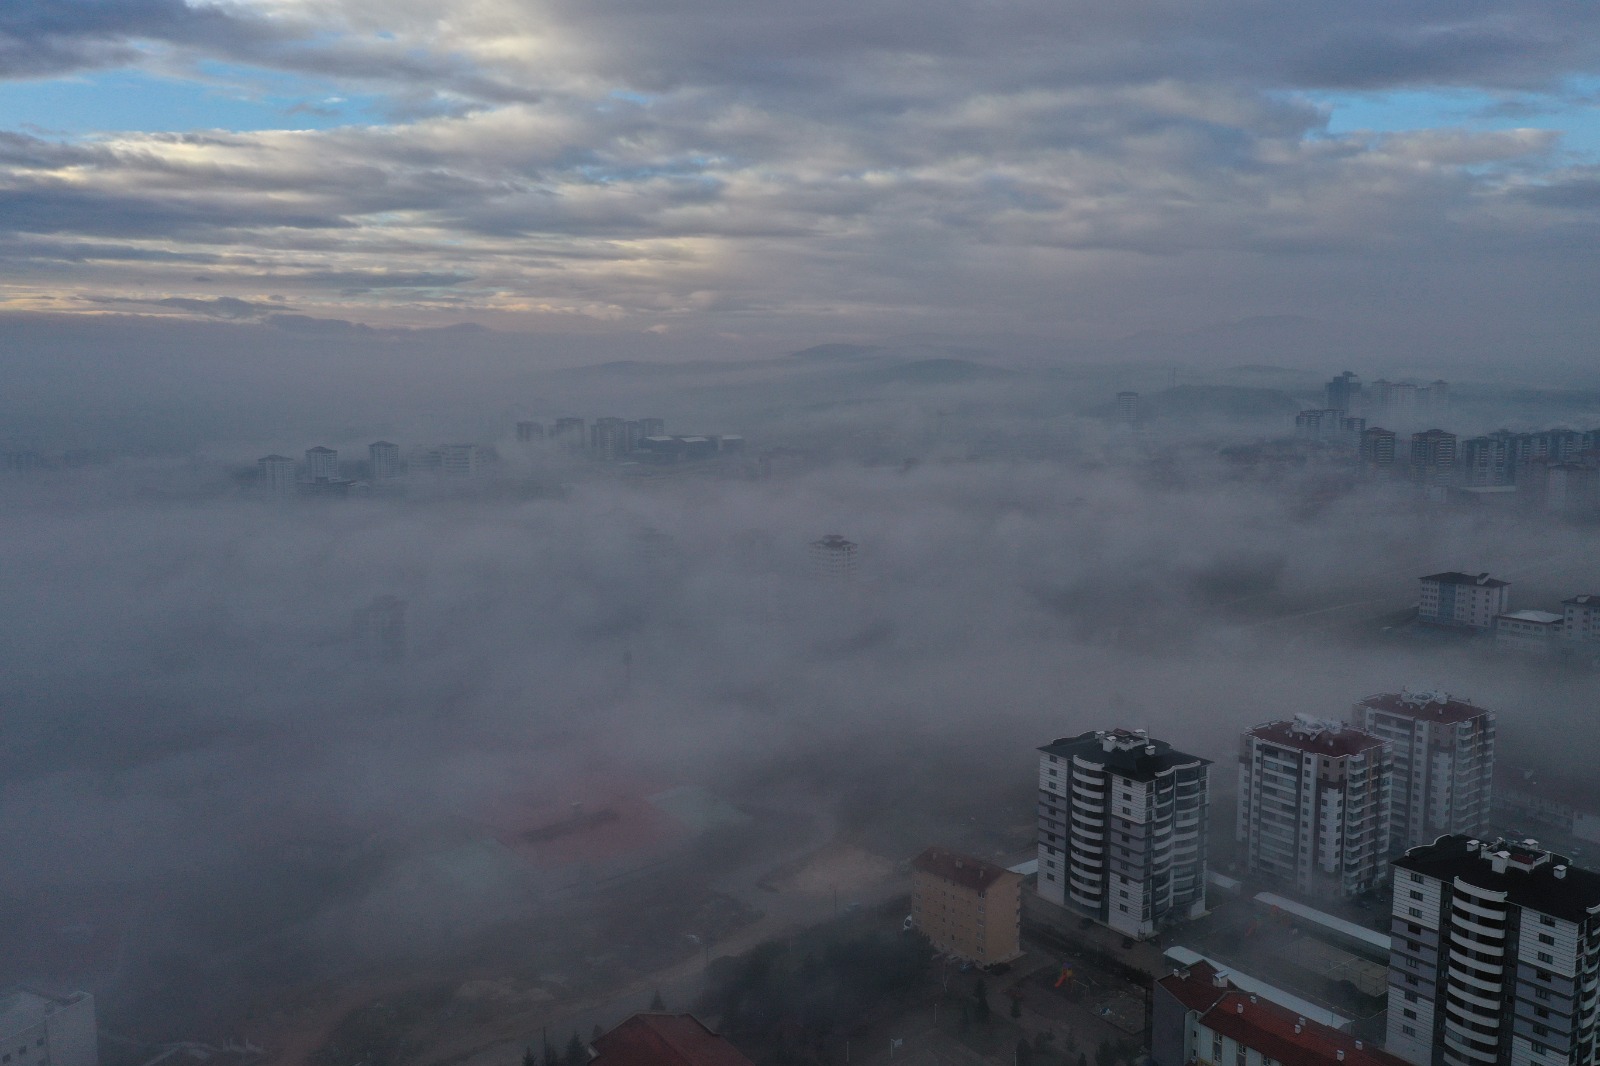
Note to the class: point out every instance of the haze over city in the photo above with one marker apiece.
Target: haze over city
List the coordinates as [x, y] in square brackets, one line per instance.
[527, 521]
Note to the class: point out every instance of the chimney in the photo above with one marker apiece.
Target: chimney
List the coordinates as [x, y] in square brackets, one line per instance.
[1220, 979]
[1359, 1045]
[1339, 1054]
[1238, 1008]
[1561, 871]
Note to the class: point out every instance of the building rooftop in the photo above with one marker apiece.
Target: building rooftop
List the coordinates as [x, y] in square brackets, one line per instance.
[1132, 754]
[320, 449]
[958, 869]
[1453, 577]
[1530, 876]
[274, 459]
[1284, 1036]
[664, 1040]
[1200, 982]
[1583, 601]
[1544, 617]
[1430, 704]
[1320, 737]
[23, 1008]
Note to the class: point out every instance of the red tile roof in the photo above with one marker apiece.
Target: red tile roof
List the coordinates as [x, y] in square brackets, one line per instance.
[1446, 710]
[1270, 1029]
[664, 1040]
[1345, 741]
[958, 869]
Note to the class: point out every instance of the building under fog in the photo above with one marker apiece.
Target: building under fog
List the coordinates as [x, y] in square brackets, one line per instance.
[833, 558]
[275, 474]
[1314, 806]
[322, 464]
[1464, 601]
[39, 1029]
[1122, 829]
[967, 907]
[1495, 958]
[384, 458]
[1128, 406]
[1443, 750]
[379, 629]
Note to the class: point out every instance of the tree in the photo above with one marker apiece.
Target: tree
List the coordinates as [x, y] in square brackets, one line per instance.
[529, 1058]
[1105, 1054]
[1024, 1054]
[576, 1055]
[1083, 1058]
[980, 1001]
[656, 1002]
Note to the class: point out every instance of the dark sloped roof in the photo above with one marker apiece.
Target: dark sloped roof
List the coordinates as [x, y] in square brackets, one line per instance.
[665, 1040]
[1346, 741]
[959, 869]
[1440, 710]
[1139, 761]
[1455, 577]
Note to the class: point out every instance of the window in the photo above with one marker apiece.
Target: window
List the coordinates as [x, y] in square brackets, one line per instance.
[1545, 956]
[1409, 1030]
[1546, 938]
[1415, 894]
[1541, 993]
[1415, 912]
[1417, 878]
[1409, 1013]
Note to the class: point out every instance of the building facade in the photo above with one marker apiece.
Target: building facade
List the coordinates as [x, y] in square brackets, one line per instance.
[1443, 752]
[384, 458]
[1200, 1018]
[1314, 806]
[1377, 448]
[322, 464]
[1468, 601]
[967, 907]
[39, 1029]
[1496, 956]
[1531, 632]
[275, 475]
[1122, 829]
[1580, 621]
[833, 558]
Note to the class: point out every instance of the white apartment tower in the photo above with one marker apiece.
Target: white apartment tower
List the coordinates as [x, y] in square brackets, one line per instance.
[1314, 806]
[322, 463]
[1443, 762]
[461, 460]
[384, 457]
[1495, 958]
[1470, 601]
[1580, 620]
[1122, 829]
[833, 558]
[41, 1029]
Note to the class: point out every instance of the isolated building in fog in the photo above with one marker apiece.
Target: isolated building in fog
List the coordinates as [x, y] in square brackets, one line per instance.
[1443, 751]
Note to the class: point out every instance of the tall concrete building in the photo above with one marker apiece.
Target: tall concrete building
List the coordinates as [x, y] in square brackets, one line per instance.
[1122, 829]
[384, 458]
[275, 474]
[652, 427]
[530, 431]
[1433, 455]
[1495, 958]
[833, 558]
[1377, 448]
[967, 907]
[1314, 806]
[322, 464]
[608, 438]
[461, 460]
[39, 1029]
[1342, 393]
[1465, 601]
[1443, 752]
[570, 433]
[1485, 461]
[1128, 406]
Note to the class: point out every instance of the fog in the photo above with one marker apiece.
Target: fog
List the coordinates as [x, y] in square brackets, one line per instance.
[213, 796]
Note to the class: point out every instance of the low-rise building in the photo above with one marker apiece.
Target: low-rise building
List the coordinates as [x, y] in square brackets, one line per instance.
[1466, 601]
[40, 1029]
[967, 907]
[1199, 1017]
[659, 1039]
[1535, 632]
[1580, 620]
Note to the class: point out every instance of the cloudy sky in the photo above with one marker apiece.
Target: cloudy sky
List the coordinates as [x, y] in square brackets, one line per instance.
[746, 169]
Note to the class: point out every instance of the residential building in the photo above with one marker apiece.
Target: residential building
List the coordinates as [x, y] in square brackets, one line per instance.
[530, 431]
[1470, 601]
[384, 458]
[1319, 422]
[658, 1039]
[1580, 621]
[1377, 448]
[652, 427]
[967, 907]
[570, 433]
[461, 460]
[40, 1029]
[1314, 806]
[1443, 752]
[1351, 427]
[1486, 461]
[1342, 392]
[322, 464]
[1122, 829]
[1128, 406]
[833, 558]
[1569, 804]
[1495, 958]
[275, 474]
[1570, 487]
[379, 629]
[608, 438]
[1534, 632]
[1433, 455]
[1199, 1017]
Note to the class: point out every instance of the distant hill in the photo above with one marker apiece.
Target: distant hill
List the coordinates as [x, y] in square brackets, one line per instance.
[832, 353]
[935, 372]
[1230, 400]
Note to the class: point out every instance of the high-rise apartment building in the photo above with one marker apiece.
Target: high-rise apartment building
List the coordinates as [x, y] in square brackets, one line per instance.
[461, 460]
[1485, 461]
[1433, 454]
[833, 558]
[275, 474]
[1343, 392]
[967, 907]
[1443, 752]
[322, 464]
[1314, 806]
[1468, 601]
[384, 458]
[530, 431]
[570, 433]
[1128, 406]
[652, 427]
[1377, 448]
[608, 438]
[1495, 958]
[1122, 829]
